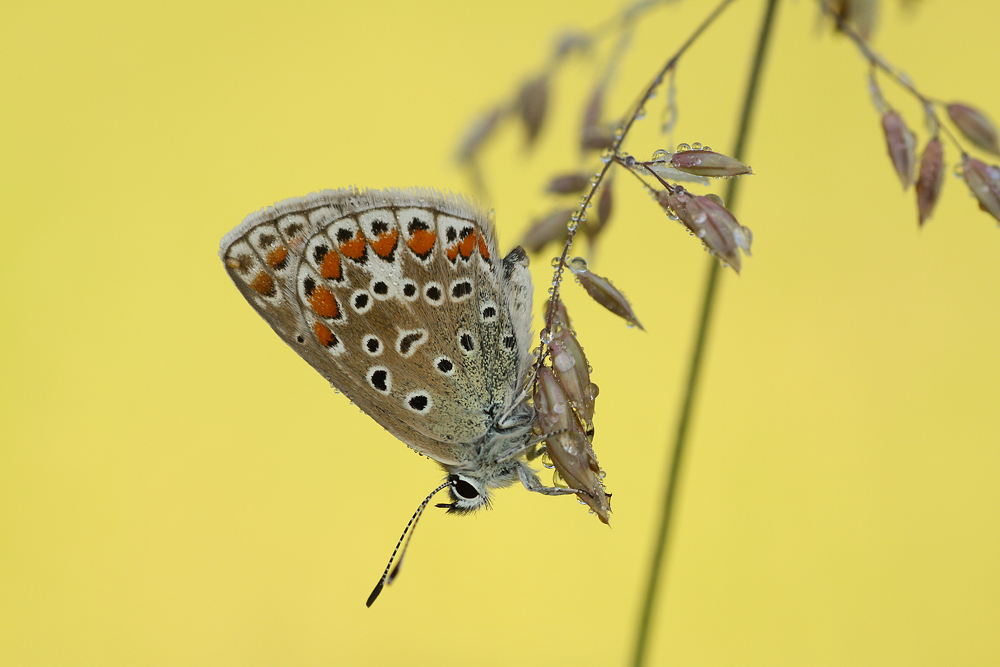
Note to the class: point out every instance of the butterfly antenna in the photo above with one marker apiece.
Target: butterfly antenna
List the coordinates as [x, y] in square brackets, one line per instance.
[410, 526]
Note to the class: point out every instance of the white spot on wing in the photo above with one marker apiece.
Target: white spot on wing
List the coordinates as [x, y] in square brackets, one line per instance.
[375, 374]
[418, 401]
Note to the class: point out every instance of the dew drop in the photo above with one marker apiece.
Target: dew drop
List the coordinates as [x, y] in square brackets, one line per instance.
[545, 336]
[547, 461]
[696, 146]
[660, 155]
[563, 362]
[578, 265]
[640, 113]
[706, 148]
[683, 147]
[607, 155]
[740, 238]
[554, 263]
[557, 480]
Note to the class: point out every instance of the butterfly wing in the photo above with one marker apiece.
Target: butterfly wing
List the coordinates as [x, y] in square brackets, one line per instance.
[396, 299]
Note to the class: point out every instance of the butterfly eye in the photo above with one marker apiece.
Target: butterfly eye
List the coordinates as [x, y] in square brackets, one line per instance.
[465, 490]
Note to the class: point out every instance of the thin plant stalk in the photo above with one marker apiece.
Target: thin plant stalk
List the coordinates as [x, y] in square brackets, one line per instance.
[878, 62]
[546, 332]
[694, 373]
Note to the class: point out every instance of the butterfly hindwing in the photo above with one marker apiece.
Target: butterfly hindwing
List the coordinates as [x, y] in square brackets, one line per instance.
[396, 297]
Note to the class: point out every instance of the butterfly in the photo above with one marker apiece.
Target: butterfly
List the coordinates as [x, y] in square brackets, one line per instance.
[400, 300]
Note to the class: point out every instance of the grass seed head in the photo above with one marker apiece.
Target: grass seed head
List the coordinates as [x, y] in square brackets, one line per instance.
[974, 126]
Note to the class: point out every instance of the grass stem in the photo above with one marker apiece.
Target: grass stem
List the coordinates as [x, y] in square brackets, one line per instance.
[694, 373]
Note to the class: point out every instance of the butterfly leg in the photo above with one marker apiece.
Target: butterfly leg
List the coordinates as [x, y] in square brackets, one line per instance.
[530, 449]
[534, 451]
[531, 482]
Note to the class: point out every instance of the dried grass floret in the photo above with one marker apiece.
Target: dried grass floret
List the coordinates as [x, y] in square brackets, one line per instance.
[930, 179]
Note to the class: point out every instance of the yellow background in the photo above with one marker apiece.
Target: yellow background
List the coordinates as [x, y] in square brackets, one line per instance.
[177, 487]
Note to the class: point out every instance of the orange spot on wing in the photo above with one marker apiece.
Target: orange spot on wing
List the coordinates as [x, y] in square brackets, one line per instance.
[421, 241]
[483, 250]
[323, 302]
[386, 243]
[355, 248]
[324, 335]
[453, 251]
[467, 245]
[263, 283]
[330, 268]
[276, 258]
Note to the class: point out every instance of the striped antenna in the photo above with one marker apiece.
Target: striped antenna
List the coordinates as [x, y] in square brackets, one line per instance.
[386, 577]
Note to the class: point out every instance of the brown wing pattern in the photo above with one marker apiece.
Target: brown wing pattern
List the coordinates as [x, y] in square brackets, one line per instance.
[396, 297]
